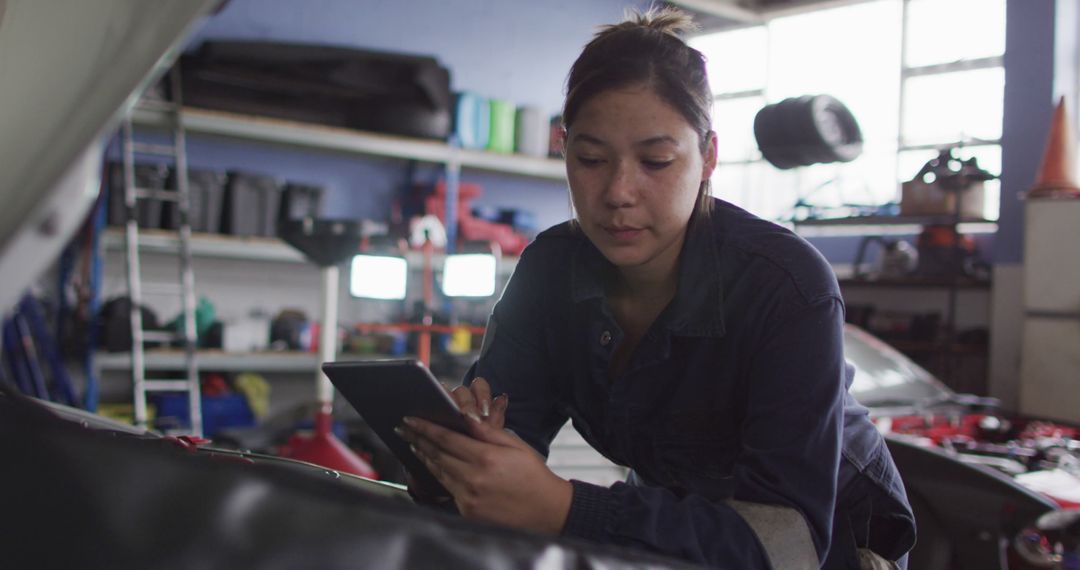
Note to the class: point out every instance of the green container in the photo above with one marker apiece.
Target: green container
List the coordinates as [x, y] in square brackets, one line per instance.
[501, 137]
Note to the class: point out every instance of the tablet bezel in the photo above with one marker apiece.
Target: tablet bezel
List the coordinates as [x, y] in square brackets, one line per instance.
[385, 391]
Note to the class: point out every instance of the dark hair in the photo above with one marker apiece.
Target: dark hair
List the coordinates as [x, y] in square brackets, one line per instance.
[645, 49]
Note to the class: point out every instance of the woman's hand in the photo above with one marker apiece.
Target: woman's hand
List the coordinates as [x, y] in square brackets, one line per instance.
[475, 400]
[493, 476]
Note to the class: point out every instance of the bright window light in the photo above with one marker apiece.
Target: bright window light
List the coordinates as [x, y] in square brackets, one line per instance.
[941, 32]
[955, 106]
[469, 275]
[733, 121]
[810, 53]
[378, 277]
[735, 60]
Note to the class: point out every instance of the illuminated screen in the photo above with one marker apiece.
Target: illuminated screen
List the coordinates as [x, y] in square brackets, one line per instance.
[378, 277]
[469, 275]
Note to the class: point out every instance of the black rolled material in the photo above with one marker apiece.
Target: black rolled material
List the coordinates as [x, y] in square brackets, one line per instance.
[812, 129]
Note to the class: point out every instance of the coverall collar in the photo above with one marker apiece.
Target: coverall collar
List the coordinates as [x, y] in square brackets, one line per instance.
[696, 309]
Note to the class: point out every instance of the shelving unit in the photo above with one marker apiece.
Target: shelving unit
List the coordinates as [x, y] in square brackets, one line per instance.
[916, 346]
[263, 130]
[218, 361]
[210, 245]
[940, 354]
[916, 283]
[264, 249]
[890, 221]
[959, 360]
[290, 133]
[249, 248]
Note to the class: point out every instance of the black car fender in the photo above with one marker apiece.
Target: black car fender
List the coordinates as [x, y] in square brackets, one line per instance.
[976, 507]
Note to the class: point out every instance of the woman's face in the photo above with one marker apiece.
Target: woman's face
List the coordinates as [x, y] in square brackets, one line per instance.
[635, 167]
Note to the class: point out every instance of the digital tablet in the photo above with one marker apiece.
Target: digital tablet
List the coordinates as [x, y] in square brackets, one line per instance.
[385, 391]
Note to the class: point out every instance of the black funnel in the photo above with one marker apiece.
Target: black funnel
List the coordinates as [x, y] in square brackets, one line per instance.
[323, 242]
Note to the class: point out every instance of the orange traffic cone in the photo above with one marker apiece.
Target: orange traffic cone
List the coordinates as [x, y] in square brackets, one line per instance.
[1056, 178]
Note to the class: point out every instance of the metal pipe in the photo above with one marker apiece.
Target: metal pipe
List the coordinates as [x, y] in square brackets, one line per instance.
[134, 281]
[423, 343]
[324, 390]
[187, 273]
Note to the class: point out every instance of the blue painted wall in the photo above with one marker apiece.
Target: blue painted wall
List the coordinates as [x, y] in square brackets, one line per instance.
[516, 50]
[1029, 81]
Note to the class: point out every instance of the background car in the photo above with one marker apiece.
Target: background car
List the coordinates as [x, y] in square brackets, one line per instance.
[978, 478]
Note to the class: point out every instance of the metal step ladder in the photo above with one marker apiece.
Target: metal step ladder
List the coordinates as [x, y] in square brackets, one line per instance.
[179, 196]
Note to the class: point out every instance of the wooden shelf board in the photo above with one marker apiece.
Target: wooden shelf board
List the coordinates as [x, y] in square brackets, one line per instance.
[308, 135]
[889, 221]
[247, 248]
[915, 283]
[220, 361]
[935, 346]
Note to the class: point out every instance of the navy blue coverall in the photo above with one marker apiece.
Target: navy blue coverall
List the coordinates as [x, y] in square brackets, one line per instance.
[738, 390]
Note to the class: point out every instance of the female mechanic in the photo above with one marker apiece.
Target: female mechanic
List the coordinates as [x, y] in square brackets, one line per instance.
[683, 337]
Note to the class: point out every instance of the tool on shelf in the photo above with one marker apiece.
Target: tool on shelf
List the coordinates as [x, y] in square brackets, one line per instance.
[897, 259]
[946, 185]
[178, 196]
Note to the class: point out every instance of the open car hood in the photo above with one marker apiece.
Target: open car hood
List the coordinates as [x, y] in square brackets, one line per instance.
[69, 70]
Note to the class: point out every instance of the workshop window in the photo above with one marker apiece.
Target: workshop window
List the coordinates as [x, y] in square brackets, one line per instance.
[917, 74]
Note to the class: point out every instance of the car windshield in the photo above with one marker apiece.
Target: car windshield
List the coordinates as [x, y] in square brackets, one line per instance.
[884, 377]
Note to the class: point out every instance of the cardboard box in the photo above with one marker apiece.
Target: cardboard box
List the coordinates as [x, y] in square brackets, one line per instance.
[918, 198]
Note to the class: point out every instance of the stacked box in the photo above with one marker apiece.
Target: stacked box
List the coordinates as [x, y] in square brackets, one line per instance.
[147, 176]
[206, 191]
[251, 205]
[300, 201]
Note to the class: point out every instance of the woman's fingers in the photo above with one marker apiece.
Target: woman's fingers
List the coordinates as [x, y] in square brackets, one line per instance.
[499, 404]
[449, 471]
[481, 391]
[437, 440]
[493, 476]
[465, 401]
[492, 424]
[476, 400]
[440, 461]
[448, 455]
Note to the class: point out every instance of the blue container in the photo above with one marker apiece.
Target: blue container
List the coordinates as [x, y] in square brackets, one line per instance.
[471, 120]
[219, 412]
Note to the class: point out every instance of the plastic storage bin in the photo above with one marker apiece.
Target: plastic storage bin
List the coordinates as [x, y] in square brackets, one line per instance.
[300, 201]
[219, 412]
[206, 191]
[251, 205]
[501, 137]
[147, 176]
